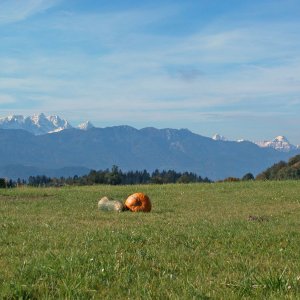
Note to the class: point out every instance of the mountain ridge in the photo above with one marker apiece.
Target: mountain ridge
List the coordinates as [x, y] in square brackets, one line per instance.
[279, 143]
[135, 149]
[39, 124]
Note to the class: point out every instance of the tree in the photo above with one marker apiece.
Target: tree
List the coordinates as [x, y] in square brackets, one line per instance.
[3, 183]
[184, 178]
[114, 177]
[292, 161]
[248, 176]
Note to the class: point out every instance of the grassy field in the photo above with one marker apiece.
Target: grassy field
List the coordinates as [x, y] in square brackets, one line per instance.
[201, 241]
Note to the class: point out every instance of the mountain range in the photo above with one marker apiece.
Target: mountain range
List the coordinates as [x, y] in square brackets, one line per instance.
[279, 143]
[39, 123]
[67, 151]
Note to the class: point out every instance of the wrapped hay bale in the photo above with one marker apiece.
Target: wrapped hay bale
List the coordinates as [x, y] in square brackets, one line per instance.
[107, 204]
[138, 202]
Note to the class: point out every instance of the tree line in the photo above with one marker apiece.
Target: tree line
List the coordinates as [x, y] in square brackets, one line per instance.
[115, 176]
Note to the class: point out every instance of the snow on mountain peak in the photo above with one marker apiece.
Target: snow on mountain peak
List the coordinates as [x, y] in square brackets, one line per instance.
[14, 118]
[58, 122]
[36, 124]
[85, 125]
[12, 122]
[55, 120]
[279, 143]
[281, 139]
[37, 119]
[218, 137]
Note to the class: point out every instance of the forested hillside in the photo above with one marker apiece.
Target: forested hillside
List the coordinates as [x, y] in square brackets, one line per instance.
[282, 170]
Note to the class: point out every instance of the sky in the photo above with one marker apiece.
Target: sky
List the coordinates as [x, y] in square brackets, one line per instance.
[212, 66]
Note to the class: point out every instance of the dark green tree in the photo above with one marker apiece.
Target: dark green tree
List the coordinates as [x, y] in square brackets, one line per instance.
[248, 176]
[114, 177]
[3, 183]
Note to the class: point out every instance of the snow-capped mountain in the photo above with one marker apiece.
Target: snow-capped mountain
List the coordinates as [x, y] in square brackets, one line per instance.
[280, 143]
[85, 125]
[218, 137]
[37, 124]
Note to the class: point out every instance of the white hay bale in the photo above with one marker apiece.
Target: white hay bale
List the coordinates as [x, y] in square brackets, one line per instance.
[107, 204]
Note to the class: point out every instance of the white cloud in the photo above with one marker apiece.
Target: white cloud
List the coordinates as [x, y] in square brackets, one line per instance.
[6, 99]
[17, 10]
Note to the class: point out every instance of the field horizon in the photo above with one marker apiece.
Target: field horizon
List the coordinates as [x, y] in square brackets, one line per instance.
[200, 241]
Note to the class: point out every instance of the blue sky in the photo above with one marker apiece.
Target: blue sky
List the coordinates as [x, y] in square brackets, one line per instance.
[231, 67]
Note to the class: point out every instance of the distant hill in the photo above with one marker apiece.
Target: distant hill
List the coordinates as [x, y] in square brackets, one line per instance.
[132, 149]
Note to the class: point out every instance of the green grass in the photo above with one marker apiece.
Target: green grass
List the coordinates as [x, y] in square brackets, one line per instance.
[197, 243]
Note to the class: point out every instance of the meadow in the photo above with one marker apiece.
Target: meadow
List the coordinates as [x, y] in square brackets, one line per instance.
[234, 240]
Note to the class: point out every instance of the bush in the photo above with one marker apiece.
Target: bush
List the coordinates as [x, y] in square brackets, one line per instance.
[231, 179]
[3, 183]
[248, 176]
